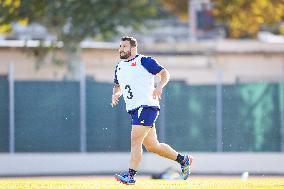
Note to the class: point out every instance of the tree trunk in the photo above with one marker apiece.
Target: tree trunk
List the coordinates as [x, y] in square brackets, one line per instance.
[73, 63]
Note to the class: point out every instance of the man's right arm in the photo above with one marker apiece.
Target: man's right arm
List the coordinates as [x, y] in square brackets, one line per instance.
[116, 93]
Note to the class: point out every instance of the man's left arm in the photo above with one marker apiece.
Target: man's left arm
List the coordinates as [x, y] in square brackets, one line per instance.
[153, 67]
[165, 77]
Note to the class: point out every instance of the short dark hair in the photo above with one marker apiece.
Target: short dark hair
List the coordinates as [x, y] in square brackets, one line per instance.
[132, 40]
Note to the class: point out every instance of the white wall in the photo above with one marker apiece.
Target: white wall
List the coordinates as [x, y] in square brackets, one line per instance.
[197, 63]
[76, 163]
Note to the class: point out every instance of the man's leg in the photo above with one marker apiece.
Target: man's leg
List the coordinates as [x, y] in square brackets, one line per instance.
[138, 134]
[152, 144]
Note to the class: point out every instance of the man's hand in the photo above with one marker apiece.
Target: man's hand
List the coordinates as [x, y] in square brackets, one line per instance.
[114, 100]
[157, 93]
[116, 93]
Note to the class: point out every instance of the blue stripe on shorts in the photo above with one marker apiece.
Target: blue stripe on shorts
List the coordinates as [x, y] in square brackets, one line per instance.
[145, 116]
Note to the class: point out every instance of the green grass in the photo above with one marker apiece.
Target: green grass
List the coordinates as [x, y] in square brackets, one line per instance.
[142, 183]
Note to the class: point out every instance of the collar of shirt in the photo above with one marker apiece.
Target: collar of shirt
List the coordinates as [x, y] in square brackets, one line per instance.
[132, 58]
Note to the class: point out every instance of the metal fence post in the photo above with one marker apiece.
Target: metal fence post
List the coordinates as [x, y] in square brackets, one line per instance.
[83, 133]
[162, 127]
[11, 109]
[282, 111]
[219, 110]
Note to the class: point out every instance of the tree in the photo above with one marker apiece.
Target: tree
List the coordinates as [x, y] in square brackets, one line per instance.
[243, 18]
[178, 8]
[72, 21]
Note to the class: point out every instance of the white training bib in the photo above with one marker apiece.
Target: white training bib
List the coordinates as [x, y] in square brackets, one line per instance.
[136, 83]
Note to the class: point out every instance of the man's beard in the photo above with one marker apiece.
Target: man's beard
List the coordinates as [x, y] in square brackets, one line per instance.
[125, 55]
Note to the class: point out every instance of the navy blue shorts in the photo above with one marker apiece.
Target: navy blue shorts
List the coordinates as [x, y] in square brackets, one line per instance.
[146, 116]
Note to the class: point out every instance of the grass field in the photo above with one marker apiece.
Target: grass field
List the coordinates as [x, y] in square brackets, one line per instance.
[142, 183]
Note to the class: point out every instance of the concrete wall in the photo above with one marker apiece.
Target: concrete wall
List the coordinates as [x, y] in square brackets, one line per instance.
[197, 63]
[98, 163]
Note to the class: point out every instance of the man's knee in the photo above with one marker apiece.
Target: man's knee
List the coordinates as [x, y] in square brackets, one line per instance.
[136, 141]
[152, 148]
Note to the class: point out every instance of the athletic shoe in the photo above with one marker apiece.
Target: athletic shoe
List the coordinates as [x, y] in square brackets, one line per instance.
[125, 179]
[185, 169]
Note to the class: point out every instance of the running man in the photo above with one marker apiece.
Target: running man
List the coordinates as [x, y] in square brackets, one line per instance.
[134, 79]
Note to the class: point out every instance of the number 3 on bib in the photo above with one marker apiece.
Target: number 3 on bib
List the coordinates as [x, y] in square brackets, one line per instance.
[130, 94]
